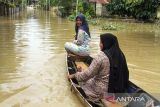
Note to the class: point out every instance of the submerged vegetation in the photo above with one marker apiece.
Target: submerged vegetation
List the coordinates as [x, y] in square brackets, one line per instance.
[13, 3]
[123, 25]
[111, 26]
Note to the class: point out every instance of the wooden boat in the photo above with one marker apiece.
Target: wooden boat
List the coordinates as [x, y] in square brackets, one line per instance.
[135, 96]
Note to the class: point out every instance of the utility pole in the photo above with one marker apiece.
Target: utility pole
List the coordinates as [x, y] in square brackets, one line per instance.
[46, 4]
[77, 8]
[22, 5]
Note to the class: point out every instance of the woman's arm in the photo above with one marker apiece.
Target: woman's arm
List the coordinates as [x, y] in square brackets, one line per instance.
[90, 72]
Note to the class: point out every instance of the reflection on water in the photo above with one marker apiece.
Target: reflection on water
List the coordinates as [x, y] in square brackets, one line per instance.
[32, 65]
[142, 51]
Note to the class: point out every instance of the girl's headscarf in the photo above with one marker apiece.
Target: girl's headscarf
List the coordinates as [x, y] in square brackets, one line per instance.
[119, 74]
[84, 25]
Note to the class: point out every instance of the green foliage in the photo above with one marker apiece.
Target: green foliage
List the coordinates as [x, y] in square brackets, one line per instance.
[111, 26]
[72, 17]
[139, 9]
[11, 5]
[94, 22]
[116, 7]
[54, 2]
[66, 7]
[86, 8]
[14, 3]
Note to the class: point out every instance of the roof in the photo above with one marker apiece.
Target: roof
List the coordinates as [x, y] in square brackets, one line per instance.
[100, 1]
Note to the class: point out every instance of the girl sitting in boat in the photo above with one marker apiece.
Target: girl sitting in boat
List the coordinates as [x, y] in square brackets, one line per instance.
[80, 46]
[100, 78]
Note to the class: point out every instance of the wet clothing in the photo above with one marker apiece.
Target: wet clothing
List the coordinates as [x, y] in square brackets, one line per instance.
[81, 45]
[95, 78]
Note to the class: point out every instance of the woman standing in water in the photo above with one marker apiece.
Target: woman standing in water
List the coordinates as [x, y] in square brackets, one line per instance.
[80, 46]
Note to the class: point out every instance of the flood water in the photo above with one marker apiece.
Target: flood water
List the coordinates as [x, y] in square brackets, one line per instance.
[32, 58]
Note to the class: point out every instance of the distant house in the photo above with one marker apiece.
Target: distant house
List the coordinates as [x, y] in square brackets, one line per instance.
[99, 6]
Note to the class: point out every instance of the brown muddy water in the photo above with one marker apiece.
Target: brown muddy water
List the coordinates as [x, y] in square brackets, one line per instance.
[32, 58]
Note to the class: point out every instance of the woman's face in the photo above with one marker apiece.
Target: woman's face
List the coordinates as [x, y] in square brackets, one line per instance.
[78, 22]
[101, 45]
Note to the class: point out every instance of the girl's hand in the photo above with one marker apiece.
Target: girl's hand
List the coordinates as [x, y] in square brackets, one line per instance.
[75, 41]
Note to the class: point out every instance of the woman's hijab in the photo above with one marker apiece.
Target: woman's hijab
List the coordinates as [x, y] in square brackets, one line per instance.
[84, 25]
[119, 74]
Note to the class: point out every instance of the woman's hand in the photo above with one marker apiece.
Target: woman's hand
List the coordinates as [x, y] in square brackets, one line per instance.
[71, 76]
[79, 68]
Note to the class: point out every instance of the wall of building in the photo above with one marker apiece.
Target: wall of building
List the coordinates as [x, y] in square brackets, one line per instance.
[101, 10]
[98, 9]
